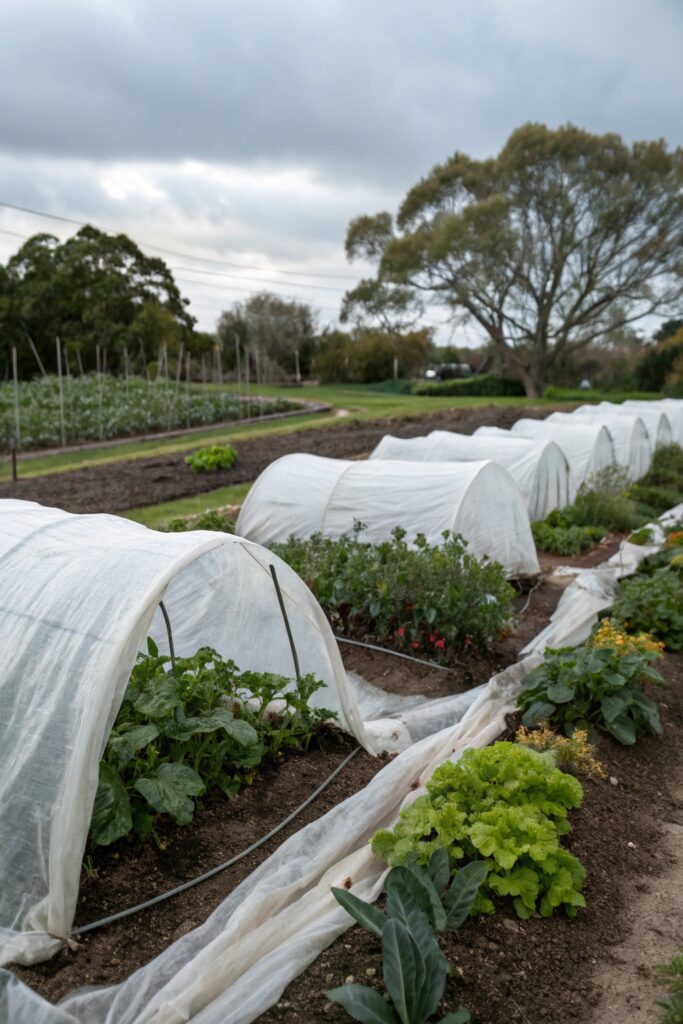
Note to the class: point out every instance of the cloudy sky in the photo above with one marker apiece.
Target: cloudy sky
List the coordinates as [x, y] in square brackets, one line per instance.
[243, 135]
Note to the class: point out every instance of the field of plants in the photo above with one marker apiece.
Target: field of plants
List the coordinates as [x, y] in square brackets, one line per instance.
[98, 407]
[509, 865]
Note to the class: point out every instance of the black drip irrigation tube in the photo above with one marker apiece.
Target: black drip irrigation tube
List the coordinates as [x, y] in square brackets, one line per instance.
[129, 911]
[394, 654]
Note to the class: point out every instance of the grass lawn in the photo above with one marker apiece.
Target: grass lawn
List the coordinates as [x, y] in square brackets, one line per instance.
[157, 516]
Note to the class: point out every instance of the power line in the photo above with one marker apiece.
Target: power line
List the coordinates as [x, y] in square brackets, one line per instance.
[264, 280]
[180, 255]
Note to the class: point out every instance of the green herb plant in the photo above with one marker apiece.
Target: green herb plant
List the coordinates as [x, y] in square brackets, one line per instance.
[420, 903]
[593, 688]
[208, 460]
[508, 805]
[440, 600]
[178, 735]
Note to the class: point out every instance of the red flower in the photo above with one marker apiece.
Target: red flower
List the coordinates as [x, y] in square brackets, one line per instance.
[432, 637]
[415, 645]
[440, 643]
[401, 631]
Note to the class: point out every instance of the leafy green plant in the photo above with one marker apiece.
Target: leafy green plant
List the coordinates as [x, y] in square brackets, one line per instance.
[642, 536]
[593, 688]
[564, 539]
[420, 902]
[181, 734]
[208, 460]
[671, 976]
[509, 805]
[654, 603]
[209, 520]
[604, 502]
[435, 599]
[662, 487]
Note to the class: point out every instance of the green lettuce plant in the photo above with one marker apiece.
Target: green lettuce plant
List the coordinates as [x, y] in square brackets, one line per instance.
[208, 460]
[509, 805]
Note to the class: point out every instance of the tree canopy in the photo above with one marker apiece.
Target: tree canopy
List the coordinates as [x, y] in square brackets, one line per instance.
[270, 330]
[562, 238]
[94, 289]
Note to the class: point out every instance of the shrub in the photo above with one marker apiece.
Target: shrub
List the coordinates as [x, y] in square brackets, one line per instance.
[653, 604]
[592, 688]
[433, 599]
[570, 753]
[178, 735]
[662, 487]
[209, 520]
[508, 805]
[208, 460]
[603, 501]
[479, 384]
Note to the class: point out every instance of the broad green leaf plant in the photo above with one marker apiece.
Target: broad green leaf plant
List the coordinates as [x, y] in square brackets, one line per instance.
[179, 734]
[420, 903]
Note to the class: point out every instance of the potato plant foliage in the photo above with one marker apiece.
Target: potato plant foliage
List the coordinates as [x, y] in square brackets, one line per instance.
[429, 599]
[178, 735]
[593, 688]
[507, 805]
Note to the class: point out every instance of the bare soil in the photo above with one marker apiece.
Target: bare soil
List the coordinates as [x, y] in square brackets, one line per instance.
[595, 969]
[118, 486]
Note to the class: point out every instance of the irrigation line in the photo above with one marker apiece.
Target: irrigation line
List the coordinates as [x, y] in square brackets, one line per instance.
[395, 654]
[221, 867]
[281, 602]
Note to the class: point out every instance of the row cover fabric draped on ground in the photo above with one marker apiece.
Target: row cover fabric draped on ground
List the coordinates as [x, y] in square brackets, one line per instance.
[299, 495]
[236, 965]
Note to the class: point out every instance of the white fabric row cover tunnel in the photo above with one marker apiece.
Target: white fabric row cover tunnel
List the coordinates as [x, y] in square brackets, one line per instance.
[589, 449]
[299, 495]
[672, 409]
[79, 596]
[653, 416]
[632, 444]
[539, 468]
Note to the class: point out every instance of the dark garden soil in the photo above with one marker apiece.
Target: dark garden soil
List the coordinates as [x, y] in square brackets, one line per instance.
[118, 486]
[553, 971]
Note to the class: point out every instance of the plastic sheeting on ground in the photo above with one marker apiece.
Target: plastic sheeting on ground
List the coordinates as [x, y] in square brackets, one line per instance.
[632, 445]
[539, 468]
[588, 449]
[279, 919]
[299, 495]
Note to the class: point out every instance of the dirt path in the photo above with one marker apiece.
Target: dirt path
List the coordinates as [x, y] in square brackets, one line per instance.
[627, 978]
[118, 486]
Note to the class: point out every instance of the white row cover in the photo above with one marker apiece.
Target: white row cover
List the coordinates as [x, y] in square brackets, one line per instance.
[672, 409]
[299, 495]
[632, 445]
[539, 468]
[589, 449]
[280, 918]
[651, 413]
